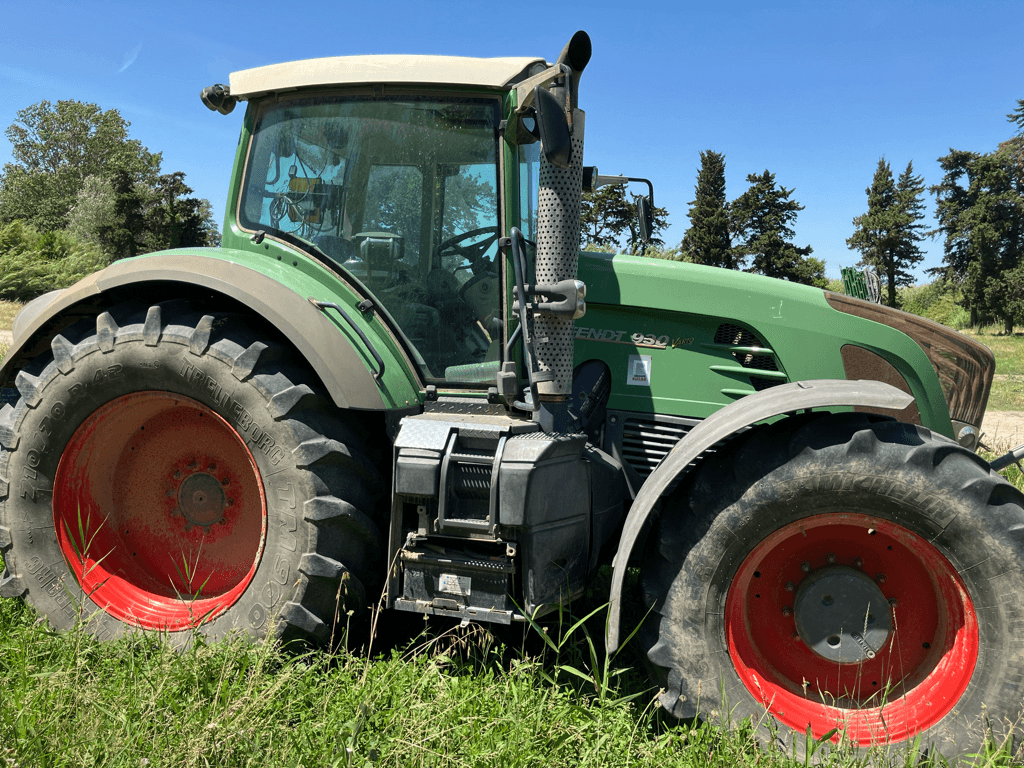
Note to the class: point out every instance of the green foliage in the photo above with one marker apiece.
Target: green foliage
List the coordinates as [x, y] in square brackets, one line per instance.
[608, 215]
[940, 301]
[1008, 388]
[75, 169]
[603, 216]
[980, 210]
[93, 208]
[668, 254]
[708, 240]
[32, 264]
[888, 235]
[55, 148]
[762, 222]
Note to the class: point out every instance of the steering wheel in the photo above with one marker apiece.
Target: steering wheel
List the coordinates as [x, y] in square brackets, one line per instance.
[472, 252]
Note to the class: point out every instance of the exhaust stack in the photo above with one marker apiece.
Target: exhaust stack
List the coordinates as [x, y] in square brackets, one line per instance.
[558, 242]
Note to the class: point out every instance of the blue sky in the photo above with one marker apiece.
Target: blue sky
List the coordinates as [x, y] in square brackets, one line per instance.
[815, 92]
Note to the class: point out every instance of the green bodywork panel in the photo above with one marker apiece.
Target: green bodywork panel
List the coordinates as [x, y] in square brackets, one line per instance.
[668, 311]
[306, 277]
[678, 308]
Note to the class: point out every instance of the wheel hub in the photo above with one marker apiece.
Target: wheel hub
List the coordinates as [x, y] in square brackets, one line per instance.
[842, 615]
[201, 500]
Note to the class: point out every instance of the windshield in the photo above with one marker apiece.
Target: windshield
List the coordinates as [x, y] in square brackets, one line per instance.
[402, 192]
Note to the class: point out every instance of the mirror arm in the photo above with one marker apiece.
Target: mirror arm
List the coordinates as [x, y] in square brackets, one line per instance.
[592, 180]
[524, 90]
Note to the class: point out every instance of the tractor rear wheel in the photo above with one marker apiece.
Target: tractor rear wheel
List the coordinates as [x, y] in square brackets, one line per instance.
[847, 575]
[167, 469]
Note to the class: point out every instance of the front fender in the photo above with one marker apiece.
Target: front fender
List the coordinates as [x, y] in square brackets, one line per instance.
[331, 350]
[787, 398]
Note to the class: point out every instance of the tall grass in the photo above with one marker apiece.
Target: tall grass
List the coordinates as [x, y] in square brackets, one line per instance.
[448, 697]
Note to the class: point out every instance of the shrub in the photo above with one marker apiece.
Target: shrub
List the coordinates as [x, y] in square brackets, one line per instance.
[33, 263]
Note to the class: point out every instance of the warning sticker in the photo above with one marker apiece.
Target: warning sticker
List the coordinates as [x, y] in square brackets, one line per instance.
[454, 585]
[638, 372]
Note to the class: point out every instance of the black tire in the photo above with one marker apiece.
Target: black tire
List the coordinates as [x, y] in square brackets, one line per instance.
[734, 562]
[254, 416]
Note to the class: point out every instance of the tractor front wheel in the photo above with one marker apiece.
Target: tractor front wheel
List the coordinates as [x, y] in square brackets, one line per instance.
[855, 578]
[169, 470]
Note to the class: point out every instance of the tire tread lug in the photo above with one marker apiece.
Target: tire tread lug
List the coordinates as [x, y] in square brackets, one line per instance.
[245, 364]
[283, 402]
[199, 339]
[106, 332]
[153, 326]
[63, 354]
[11, 586]
[28, 386]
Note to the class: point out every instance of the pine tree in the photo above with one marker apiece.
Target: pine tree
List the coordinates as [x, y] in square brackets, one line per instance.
[707, 241]
[911, 228]
[887, 236]
[980, 210]
[608, 214]
[761, 219]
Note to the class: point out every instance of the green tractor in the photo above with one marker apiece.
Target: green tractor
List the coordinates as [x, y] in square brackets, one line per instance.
[400, 376]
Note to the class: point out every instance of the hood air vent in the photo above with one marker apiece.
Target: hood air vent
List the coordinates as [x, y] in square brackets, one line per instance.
[751, 354]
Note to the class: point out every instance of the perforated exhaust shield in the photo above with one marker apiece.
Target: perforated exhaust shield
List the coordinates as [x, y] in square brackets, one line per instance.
[558, 243]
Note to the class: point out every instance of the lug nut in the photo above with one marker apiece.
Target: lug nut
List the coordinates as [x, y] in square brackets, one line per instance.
[858, 562]
[789, 586]
[830, 558]
[880, 578]
[787, 611]
[805, 567]
[893, 602]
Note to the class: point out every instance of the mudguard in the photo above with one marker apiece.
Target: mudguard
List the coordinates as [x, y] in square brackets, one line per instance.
[786, 398]
[331, 355]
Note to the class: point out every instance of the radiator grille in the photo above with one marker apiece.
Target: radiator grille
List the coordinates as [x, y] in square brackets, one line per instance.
[646, 442]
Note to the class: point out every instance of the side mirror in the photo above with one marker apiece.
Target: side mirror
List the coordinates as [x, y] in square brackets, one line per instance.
[218, 98]
[553, 128]
[645, 213]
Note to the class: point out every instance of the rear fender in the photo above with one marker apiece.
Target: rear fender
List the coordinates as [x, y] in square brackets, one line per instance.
[776, 401]
[328, 348]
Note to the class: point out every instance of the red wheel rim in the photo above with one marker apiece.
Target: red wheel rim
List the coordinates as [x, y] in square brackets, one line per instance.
[159, 511]
[915, 678]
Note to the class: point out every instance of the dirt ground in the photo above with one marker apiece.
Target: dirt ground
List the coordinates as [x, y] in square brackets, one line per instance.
[1003, 430]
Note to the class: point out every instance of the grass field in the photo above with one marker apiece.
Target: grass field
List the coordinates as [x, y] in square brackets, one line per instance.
[1008, 387]
[428, 695]
[8, 309]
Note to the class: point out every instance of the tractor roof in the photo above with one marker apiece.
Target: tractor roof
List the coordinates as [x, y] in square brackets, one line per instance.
[363, 70]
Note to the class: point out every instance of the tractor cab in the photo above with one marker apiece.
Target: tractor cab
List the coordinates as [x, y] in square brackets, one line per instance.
[400, 186]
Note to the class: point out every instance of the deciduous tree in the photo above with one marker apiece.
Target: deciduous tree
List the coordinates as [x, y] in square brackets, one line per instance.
[55, 148]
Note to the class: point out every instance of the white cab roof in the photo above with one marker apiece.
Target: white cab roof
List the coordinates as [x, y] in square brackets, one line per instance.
[363, 70]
